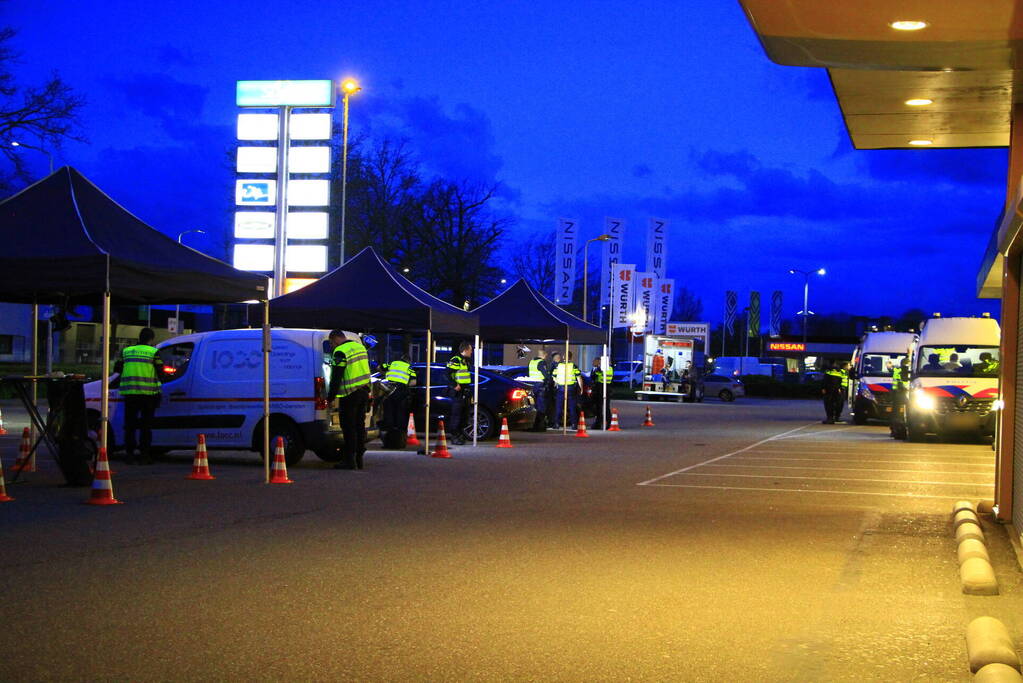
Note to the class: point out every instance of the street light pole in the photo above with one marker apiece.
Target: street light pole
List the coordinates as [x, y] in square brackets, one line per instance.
[15, 143]
[349, 87]
[177, 307]
[586, 268]
[806, 296]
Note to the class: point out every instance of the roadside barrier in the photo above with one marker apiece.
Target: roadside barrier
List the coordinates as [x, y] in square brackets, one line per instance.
[412, 439]
[976, 574]
[580, 429]
[442, 442]
[201, 464]
[279, 470]
[102, 486]
[649, 421]
[614, 422]
[504, 441]
[988, 644]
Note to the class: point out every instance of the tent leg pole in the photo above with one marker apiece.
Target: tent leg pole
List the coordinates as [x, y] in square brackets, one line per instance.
[266, 391]
[104, 404]
[564, 401]
[478, 361]
[429, 387]
[35, 354]
[605, 386]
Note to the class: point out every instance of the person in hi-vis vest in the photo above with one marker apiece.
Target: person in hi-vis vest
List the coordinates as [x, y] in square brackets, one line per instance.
[139, 385]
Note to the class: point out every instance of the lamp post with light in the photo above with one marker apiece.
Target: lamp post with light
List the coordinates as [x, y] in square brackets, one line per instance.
[177, 308]
[15, 143]
[586, 269]
[806, 295]
[349, 87]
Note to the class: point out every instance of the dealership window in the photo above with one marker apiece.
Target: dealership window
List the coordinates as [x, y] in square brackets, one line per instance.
[6, 344]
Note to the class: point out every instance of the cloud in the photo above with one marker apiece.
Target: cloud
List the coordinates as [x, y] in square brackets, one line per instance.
[168, 55]
[955, 166]
[177, 106]
[641, 171]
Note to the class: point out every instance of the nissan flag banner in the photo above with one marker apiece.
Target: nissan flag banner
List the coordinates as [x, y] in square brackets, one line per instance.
[664, 298]
[613, 227]
[731, 303]
[623, 295]
[645, 301]
[656, 246]
[754, 315]
[564, 267]
[775, 314]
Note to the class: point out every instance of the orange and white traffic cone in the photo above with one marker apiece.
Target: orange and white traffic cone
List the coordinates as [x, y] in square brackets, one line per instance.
[442, 443]
[412, 439]
[614, 422]
[102, 486]
[279, 469]
[580, 429]
[3, 432]
[25, 462]
[504, 441]
[201, 464]
[649, 421]
[4, 498]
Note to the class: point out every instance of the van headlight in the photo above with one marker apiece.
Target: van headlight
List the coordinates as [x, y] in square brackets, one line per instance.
[997, 404]
[865, 392]
[924, 401]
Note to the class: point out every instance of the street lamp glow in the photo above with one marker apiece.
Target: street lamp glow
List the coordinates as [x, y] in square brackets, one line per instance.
[821, 271]
[350, 86]
[907, 25]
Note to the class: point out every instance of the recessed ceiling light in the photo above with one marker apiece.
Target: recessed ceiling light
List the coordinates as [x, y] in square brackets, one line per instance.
[908, 25]
[919, 102]
[921, 143]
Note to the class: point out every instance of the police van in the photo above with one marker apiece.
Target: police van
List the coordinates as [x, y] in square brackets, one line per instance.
[954, 378]
[873, 364]
[212, 384]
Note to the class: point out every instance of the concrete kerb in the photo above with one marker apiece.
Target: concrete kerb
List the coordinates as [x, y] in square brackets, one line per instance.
[997, 673]
[988, 642]
[971, 547]
[969, 530]
[964, 516]
[964, 505]
[976, 574]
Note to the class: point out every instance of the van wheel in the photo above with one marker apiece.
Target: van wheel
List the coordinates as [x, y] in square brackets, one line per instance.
[914, 433]
[328, 454]
[294, 446]
[726, 395]
[860, 417]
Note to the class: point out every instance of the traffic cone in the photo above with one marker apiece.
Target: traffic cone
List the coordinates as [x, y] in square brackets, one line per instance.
[614, 422]
[279, 469]
[412, 440]
[4, 498]
[3, 432]
[102, 486]
[580, 429]
[504, 441]
[442, 443]
[25, 462]
[201, 465]
[649, 421]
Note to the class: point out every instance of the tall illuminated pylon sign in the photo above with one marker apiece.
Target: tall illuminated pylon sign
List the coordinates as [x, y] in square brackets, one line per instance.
[282, 190]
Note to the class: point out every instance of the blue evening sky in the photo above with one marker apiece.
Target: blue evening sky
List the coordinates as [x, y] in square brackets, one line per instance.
[585, 110]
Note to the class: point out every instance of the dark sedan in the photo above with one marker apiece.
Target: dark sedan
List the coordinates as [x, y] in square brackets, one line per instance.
[500, 397]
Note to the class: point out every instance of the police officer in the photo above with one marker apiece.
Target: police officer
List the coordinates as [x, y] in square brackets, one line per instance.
[540, 377]
[396, 406]
[600, 383]
[350, 383]
[832, 394]
[568, 382]
[139, 385]
[900, 393]
[459, 379]
[987, 365]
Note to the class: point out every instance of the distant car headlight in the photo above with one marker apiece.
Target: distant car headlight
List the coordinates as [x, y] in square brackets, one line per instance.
[923, 400]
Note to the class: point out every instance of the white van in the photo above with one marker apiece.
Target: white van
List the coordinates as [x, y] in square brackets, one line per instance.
[875, 357]
[954, 377]
[213, 384]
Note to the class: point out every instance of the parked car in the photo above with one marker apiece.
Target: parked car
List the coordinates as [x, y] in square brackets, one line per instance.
[724, 387]
[624, 369]
[500, 397]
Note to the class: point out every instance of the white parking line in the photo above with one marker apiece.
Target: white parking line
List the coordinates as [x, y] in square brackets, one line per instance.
[820, 433]
[885, 462]
[846, 469]
[722, 457]
[883, 481]
[857, 493]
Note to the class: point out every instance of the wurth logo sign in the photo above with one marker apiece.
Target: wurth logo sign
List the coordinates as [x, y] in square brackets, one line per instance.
[623, 298]
[647, 283]
[625, 275]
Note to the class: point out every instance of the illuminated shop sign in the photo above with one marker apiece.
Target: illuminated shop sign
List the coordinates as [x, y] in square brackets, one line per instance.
[786, 346]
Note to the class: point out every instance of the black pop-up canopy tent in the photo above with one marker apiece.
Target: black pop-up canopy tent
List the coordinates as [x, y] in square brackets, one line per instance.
[66, 240]
[367, 293]
[522, 314]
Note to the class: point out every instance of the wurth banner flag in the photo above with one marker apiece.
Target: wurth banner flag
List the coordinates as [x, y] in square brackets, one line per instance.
[613, 227]
[731, 303]
[754, 315]
[775, 314]
[645, 302]
[664, 299]
[565, 258]
[623, 296]
[656, 246]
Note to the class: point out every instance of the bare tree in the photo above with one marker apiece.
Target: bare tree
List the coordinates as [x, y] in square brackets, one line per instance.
[533, 261]
[688, 307]
[40, 116]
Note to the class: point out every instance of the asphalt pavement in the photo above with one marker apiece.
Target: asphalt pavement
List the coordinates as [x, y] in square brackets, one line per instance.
[730, 542]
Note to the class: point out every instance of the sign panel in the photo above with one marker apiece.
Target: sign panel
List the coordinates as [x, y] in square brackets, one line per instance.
[308, 160]
[310, 127]
[306, 258]
[255, 192]
[664, 299]
[564, 266]
[285, 93]
[623, 298]
[614, 227]
[656, 246]
[776, 302]
[253, 257]
[645, 300]
[731, 303]
[257, 160]
[254, 225]
[754, 315]
[786, 346]
[307, 225]
[693, 330]
[308, 192]
[258, 127]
